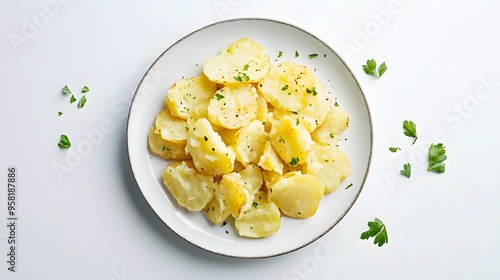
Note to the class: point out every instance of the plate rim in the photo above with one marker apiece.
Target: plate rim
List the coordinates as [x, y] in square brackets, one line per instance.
[275, 21]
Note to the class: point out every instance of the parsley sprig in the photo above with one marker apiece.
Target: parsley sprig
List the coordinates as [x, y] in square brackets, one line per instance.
[377, 230]
[370, 68]
[410, 130]
[406, 171]
[437, 156]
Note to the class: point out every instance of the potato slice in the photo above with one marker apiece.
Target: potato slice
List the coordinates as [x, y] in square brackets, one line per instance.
[186, 94]
[244, 61]
[270, 160]
[166, 149]
[290, 140]
[210, 154]
[171, 128]
[329, 164]
[234, 106]
[314, 113]
[250, 141]
[252, 178]
[335, 123]
[191, 189]
[288, 86]
[261, 220]
[297, 195]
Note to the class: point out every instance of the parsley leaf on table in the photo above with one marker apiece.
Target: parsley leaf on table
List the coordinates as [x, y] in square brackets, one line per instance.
[437, 157]
[377, 230]
[64, 142]
[406, 171]
[370, 68]
[410, 130]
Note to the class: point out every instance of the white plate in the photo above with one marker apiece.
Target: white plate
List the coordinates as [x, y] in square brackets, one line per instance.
[185, 59]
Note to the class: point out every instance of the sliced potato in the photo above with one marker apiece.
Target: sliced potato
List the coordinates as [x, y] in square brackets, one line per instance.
[244, 61]
[329, 164]
[261, 220]
[288, 86]
[249, 142]
[166, 149]
[335, 123]
[297, 195]
[171, 128]
[191, 189]
[186, 94]
[234, 106]
[210, 154]
[269, 160]
[252, 178]
[290, 140]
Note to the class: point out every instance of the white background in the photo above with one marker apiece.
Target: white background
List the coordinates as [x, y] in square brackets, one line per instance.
[92, 222]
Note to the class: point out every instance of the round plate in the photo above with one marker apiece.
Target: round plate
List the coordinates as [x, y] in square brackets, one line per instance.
[185, 59]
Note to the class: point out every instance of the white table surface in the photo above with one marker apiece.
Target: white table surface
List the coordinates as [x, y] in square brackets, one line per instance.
[91, 221]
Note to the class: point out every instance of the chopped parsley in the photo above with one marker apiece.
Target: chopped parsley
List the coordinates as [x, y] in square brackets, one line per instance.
[280, 54]
[406, 171]
[410, 130]
[394, 149]
[313, 55]
[64, 142]
[370, 68]
[66, 90]
[72, 99]
[59, 113]
[294, 161]
[284, 88]
[85, 89]
[219, 96]
[82, 102]
[348, 186]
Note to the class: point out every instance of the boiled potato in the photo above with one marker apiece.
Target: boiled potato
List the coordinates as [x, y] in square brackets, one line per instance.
[297, 195]
[171, 128]
[288, 86]
[261, 220]
[166, 149]
[210, 154]
[335, 123]
[269, 160]
[191, 189]
[250, 141]
[314, 113]
[244, 61]
[329, 164]
[187, 93]
[252, 178]
[233, 106]
[290, 140]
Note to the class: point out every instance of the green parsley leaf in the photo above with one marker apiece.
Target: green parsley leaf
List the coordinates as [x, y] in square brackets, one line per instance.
[313, 55]
[410, 130]
[437, 156]
[284, 88]
[72, 99]
[238, 78]
[331, 135]
[82, 102]
[294, 161]
[394, 149]
[64, 142]
[297, 122]
[406, 171]
[245, 68]
[282, 141]
[255, 204]
[219, 96]
[348, 186]
[336, 104]
[59, 113]
[66, 90]
[296, 54]
[370, 68]
[377, 229]
[280, 53]
[85, 89]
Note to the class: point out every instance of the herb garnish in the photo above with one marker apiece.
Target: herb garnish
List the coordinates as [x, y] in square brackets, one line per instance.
[370, 68]
[377, 229]
[437, 156]
[64, 142]
[410, 130]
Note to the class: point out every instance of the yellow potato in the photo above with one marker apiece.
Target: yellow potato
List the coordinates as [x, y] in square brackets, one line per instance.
[171, 128]
[270, 177]
[234, 106]
[191, 189]
[244, 61]
[252, 178]
[187, 93]
[297, 195]
[329, 164]
[210, 154]
[165, 149]
[335, 123]
[249, 142]
[270, 160]
[288, 86]
[290, 140]
[314, 113]
[262, 111]
[235, 195]
[261, 220]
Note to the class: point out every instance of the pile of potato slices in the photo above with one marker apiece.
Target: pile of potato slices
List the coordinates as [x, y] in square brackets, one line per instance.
[251, 141]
